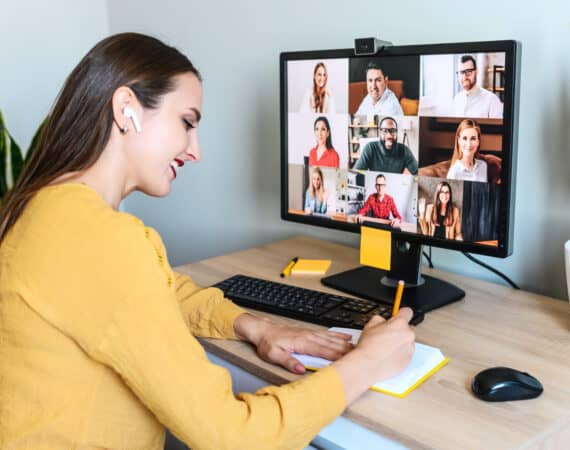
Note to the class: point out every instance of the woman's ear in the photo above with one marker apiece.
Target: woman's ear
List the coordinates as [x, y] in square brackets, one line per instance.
[126, 109]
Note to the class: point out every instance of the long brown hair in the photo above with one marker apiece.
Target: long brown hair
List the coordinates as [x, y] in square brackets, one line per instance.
[79, 125]
[463, 125]
[319, 93]
[448, 221]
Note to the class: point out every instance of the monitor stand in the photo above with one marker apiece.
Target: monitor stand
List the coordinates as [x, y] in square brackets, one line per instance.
[422, 293]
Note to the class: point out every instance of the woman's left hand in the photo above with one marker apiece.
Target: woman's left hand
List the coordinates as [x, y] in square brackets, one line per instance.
[275, 342]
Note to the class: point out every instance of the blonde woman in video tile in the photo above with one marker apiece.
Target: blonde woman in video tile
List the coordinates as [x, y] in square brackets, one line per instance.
[440, 219]
[466, 163]
[317, 196]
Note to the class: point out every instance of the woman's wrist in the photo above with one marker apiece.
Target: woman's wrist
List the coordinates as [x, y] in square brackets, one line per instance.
[250, 328]
[356, 372]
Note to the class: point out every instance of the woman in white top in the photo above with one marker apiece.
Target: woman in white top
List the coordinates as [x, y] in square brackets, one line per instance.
[466, 163]
[318, 100]
[316, 196]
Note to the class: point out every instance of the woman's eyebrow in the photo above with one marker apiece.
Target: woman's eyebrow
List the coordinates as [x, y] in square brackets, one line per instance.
[197, 113]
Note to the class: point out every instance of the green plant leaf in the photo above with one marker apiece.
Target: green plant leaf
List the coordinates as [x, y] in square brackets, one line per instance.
[16, 159]
[11, 159]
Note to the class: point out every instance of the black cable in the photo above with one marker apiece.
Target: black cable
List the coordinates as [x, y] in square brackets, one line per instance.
[492, 269]
[428, 257]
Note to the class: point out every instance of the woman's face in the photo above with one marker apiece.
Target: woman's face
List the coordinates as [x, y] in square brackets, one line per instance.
[468, 142]
[168, 139]
[444, 194]
[316, 181]
[321, 77]
[321, 132]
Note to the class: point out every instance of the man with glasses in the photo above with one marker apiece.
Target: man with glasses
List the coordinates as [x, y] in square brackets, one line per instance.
[473, 100]
[380, 99]
[380, 205]
[387, 154]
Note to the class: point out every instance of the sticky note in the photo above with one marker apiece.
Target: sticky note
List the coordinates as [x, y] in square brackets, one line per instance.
[375, 247]
[311, 266]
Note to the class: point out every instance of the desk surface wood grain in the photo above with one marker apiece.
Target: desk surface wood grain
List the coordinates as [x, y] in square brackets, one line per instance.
[493, 325]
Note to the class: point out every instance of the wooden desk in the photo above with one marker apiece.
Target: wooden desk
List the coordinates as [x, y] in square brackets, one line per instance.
[493, 326]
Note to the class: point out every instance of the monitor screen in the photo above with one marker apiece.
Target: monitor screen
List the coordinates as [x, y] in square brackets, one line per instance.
[419, 139]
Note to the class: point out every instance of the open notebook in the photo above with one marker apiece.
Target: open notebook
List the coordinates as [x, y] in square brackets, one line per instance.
[425, 362]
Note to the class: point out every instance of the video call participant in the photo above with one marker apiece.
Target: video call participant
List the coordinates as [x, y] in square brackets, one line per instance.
[473, 100]
[466, 163]
[381, 205]
[316, 196]
[441, 218]
[386, 154]
[98, 346]
[319, 99]
[323, 154]
[380, 99]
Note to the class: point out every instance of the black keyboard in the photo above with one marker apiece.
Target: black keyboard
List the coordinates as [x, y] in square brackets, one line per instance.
[303, 304]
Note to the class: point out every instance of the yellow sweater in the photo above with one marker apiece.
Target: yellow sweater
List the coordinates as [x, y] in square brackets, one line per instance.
[97, 348]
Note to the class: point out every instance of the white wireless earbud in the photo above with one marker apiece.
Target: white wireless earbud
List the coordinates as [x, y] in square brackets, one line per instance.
[128, 112]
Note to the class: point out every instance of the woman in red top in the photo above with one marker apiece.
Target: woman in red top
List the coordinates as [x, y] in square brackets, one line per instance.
[323, 154]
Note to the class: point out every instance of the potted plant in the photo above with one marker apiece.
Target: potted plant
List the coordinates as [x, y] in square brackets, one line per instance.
[11, 159]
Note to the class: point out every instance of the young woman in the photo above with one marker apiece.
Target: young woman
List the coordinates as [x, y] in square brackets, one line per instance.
[323, 154]
[441, 218]
[319, 99]
[96, 330]
[316, 196]
[466, 162]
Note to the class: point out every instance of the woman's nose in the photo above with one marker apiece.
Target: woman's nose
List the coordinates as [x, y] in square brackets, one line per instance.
[194, 151]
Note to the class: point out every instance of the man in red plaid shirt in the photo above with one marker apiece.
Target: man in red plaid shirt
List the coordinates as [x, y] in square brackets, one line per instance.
[381, 205]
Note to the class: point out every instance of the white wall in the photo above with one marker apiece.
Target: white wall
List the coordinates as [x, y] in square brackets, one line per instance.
[41, 43]
[231, 199]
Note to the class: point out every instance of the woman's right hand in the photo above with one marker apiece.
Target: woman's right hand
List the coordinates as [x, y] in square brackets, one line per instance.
[385, 349]
[389, 342]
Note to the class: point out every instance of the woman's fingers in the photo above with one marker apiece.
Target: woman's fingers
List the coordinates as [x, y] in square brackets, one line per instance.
[405, 314]
[323, 344]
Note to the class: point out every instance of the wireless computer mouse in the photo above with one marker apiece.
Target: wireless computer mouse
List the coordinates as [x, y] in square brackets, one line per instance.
[501, 384]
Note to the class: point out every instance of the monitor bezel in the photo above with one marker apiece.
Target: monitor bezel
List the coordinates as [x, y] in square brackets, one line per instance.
[511, 48]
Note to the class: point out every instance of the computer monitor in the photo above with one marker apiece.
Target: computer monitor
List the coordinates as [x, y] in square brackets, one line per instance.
[419, 140]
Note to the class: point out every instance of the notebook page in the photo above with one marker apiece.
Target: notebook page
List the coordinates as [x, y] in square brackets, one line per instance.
[425, 360]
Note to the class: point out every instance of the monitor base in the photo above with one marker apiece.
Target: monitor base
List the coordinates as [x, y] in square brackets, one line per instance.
[366, 282]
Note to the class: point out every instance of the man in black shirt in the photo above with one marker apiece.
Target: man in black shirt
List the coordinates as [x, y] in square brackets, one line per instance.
[387, 155]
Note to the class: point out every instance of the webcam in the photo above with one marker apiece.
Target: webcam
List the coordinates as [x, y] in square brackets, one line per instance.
[369, 46]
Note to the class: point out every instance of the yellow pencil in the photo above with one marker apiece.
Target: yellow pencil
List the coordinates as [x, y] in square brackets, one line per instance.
[398, 297]
[287, 270]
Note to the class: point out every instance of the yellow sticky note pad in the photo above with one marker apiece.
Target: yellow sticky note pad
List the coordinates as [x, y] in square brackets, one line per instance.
[375, 247]
[311, 266]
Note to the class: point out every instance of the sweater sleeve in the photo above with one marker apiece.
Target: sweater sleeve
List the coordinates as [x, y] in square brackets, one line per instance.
[147, 343]
[205, 310]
